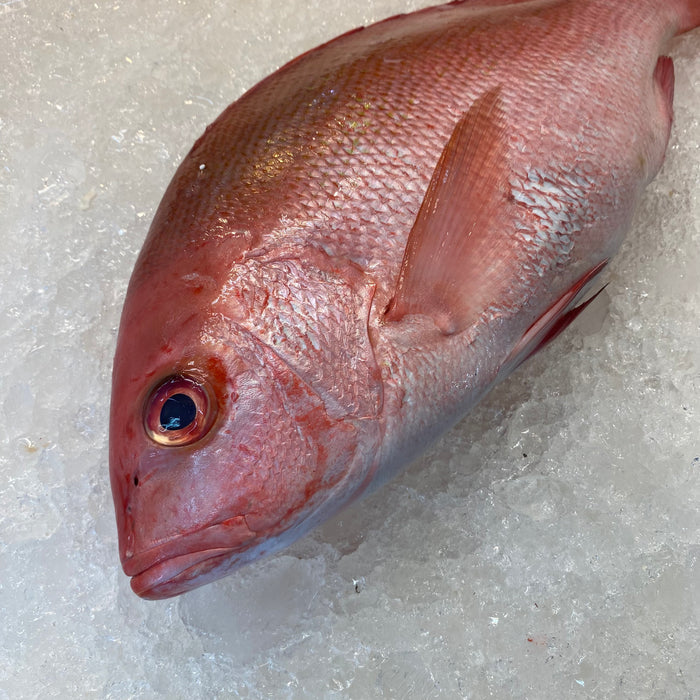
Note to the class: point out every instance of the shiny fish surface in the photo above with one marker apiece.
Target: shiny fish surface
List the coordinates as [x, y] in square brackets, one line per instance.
[358, 249]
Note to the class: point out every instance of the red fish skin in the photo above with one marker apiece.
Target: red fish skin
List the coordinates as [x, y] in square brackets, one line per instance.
[276, 250]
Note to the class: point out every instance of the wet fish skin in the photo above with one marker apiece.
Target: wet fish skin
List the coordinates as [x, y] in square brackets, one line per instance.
[291, 287]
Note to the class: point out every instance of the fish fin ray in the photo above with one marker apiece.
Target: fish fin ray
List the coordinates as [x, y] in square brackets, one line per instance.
[554, 320]
[689, 17]
[454, 256]
[665, 78]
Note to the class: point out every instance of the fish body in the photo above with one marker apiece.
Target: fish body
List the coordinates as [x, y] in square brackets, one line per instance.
[358, 249]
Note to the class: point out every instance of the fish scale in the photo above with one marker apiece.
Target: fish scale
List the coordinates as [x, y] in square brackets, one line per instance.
[292, 310]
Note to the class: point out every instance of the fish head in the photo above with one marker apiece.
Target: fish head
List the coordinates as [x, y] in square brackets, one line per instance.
[219, 452]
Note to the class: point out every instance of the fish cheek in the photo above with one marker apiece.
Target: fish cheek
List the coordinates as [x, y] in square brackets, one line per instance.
[289, 456]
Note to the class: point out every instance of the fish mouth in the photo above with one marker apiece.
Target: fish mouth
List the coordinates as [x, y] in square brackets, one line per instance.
[188, 561]
[181, 574]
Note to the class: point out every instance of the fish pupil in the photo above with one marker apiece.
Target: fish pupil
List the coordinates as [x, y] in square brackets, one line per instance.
[178, 412]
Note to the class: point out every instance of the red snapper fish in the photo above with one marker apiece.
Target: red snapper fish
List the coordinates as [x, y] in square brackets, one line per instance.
[358, 249]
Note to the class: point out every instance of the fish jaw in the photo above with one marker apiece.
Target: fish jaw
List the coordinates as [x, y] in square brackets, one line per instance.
[181, 574]
[183, 563]
[191, 561]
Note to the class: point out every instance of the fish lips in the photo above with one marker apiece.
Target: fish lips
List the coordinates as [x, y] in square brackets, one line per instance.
[188, 561]
[181, 574]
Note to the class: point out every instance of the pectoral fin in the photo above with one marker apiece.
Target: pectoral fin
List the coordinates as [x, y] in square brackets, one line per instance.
[457, 253]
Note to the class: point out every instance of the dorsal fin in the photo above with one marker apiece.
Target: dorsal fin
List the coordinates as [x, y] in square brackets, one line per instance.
[454, 262]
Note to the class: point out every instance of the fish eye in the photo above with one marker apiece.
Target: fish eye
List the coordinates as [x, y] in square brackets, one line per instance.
[179, 411]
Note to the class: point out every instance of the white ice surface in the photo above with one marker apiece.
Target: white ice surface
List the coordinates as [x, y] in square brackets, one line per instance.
[549, 547]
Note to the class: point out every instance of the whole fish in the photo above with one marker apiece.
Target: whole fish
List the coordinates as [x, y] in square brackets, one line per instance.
[358, 249]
